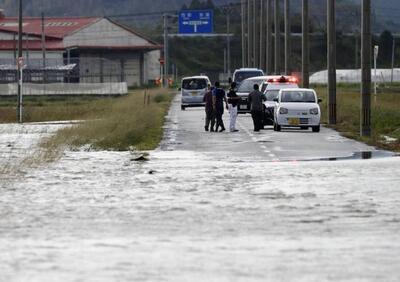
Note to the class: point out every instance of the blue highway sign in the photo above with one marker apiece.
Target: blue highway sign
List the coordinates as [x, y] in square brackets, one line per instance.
[196, 21]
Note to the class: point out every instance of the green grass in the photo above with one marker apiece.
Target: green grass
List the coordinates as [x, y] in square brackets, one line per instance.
[385, 115]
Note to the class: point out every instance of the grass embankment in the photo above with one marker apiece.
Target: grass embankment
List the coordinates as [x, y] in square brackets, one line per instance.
[111, 123]
[385, 114]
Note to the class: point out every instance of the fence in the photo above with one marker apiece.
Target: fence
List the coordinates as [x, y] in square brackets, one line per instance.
[75, 76]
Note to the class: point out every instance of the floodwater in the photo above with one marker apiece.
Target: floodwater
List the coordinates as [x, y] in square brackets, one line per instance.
[184, 216]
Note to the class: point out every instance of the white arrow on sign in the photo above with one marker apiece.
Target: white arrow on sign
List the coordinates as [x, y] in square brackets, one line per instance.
[195, 24]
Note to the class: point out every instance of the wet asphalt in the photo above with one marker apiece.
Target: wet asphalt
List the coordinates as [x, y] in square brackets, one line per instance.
[188, 133]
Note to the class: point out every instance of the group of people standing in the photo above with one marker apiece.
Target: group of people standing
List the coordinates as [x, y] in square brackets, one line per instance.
[214, 105]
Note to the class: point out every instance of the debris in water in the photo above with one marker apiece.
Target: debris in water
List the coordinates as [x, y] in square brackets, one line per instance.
[140, 157]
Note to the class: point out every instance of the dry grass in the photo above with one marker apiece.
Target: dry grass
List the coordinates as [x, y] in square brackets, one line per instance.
[120, 125]
[385, 115]
[40, 109]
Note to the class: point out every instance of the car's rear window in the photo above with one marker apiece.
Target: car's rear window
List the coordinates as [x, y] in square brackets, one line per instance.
[298, 97]
[242, 75]
[194, 84]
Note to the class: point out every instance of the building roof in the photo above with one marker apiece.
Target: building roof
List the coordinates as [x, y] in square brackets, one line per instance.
[54, 27]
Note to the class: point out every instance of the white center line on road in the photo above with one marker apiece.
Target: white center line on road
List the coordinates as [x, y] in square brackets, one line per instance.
[255, 140]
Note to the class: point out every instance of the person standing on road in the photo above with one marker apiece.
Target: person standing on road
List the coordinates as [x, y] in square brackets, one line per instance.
[256, 99]
[233, 101]
[210, 115]
[219, 97]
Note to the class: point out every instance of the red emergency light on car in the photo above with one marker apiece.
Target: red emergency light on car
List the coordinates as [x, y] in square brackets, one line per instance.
[283, 79]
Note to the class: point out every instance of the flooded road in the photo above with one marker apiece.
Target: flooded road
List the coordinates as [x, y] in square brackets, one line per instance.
[226, 212]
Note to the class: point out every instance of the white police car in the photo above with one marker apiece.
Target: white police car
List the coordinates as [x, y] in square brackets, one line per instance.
[271, 87]
[297, 108]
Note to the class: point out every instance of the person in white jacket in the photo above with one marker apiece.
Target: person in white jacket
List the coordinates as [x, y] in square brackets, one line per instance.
[233, 101]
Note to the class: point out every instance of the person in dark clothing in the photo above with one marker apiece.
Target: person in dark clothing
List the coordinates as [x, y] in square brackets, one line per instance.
[219, 97]
[210, 116]
[256, 99]
[233, 101]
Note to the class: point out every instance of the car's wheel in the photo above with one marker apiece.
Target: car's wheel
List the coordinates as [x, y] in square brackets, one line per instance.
[304, 127]
[182, 107]
[316, 128]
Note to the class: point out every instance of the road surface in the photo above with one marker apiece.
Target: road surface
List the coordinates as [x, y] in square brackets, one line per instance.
[187, 130]
[205, 207]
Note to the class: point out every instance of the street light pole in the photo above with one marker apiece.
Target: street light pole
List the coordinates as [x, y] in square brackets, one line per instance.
[20, 64]
[366, 44]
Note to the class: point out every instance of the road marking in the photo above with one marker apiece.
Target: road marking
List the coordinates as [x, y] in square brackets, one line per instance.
[255, 140]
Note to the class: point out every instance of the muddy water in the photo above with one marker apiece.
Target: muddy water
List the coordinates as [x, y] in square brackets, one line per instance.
[182, 216]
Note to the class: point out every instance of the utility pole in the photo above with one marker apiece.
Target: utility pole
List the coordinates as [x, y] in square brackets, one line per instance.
[366, 44]
[249, 35]
[255, 61]
[243, 17]
[287, 36]
[277, 39]
[262, 41]
[20, 64]
[165, 78]
[228, 39]
[305, 46]
[393, 56]
[268, 49]
[331, 61]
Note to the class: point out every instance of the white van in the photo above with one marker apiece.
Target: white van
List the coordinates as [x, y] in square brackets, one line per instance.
[193, 89]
